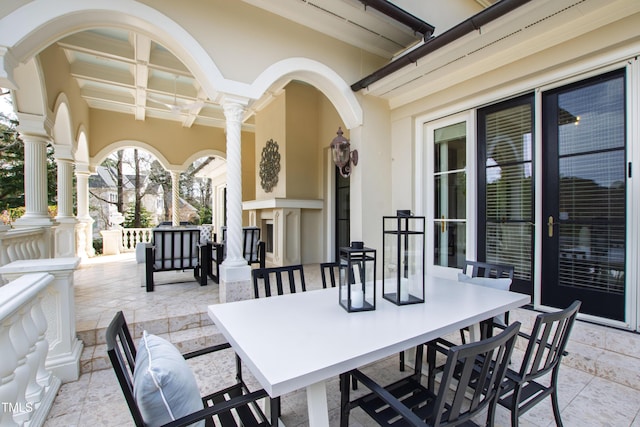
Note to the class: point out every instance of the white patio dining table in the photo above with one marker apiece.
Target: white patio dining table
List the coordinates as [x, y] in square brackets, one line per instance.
[301, 340]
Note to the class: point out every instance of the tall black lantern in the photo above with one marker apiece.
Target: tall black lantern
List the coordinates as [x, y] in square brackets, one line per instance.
[403, 258]
[357, 278]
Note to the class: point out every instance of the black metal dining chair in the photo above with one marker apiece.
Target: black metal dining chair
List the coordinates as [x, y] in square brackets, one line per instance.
[170, 390]
[472, 269]
[470, 383]
[546, 346]
[477, 269]
[265, 279]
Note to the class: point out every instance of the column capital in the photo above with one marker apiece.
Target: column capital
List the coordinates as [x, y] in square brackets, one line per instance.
[84, 169]
[34, 125]
[234, 108]
[8, 63]
[63, 152]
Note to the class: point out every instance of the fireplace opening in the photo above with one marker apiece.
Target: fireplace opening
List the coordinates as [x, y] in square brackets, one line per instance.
[269, 237]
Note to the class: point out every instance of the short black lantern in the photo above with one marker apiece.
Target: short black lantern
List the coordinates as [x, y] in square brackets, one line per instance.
[403, 258]
[357, 278]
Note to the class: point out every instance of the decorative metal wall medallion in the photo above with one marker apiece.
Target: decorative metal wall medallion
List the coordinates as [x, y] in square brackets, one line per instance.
[269, 166]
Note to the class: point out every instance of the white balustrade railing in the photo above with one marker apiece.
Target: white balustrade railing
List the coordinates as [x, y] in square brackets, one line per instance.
[132, 236]
[24, 243]
[27, 388]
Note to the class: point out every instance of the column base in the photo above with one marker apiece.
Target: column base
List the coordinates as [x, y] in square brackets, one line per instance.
[66, 366]
[33, 221]
[235, 283]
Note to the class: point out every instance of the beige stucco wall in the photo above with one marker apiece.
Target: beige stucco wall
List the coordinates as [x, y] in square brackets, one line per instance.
[249, 171]
[371, 178]
[58, 80]
[236, 34]
[174, 142]
[464, 85]
[270, 125]
[302, 122]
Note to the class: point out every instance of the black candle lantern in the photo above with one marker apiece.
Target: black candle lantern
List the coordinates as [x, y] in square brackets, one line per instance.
[357, 278]
[403, 258]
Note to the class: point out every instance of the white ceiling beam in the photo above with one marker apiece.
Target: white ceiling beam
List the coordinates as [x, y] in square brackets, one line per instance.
[97, 73]
[99, 45]
[142, 47]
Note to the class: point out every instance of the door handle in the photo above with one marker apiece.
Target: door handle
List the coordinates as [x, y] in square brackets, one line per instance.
[550, 224]
[442, 224]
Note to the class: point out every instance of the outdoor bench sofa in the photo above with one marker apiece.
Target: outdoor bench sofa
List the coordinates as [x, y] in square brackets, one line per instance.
[174, 249]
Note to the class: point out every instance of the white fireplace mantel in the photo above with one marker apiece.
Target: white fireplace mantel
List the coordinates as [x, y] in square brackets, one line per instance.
[279, 203]
[280, 220]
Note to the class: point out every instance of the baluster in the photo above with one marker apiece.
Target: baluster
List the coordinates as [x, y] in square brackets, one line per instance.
[11, 253]
[43, 376]
[8, 384]
[34, 390]
[21, 346]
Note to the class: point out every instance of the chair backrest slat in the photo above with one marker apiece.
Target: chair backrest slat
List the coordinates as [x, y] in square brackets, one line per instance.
[329, 269]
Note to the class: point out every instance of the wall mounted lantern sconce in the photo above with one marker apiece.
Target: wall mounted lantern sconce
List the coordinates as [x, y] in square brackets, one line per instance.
[342, 156]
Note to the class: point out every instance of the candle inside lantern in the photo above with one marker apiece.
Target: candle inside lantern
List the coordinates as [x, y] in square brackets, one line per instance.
[357, 298]
[404, 289]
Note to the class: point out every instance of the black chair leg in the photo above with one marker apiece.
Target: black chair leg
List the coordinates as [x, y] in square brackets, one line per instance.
[431, 362]
[515, 410]
[344, 399]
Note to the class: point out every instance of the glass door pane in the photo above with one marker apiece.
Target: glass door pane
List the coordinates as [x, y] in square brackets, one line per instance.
[450, 210]
[505, 188]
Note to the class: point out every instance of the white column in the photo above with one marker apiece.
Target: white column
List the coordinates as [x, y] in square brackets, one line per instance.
[65, 188]
[35, 181]
[85, 222]
[233, 112]
[235, 273]
[65, 232]
[175, 198]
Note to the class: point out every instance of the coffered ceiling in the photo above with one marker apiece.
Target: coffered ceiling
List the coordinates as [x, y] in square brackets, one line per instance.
[130, 73]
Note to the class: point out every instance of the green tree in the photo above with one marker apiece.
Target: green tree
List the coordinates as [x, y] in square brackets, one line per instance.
[143, 219]
[12, 166]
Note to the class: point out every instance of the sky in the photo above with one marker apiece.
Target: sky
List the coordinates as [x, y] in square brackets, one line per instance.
[5, 103]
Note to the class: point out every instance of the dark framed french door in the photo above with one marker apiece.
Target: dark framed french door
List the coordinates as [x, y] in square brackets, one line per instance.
[505, 208]
[584, 196]
[343, 212]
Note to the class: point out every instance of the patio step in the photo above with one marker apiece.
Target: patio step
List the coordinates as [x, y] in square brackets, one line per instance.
[187, 333]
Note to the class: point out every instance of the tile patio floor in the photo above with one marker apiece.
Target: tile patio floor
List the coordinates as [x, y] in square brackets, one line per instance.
[104, 285]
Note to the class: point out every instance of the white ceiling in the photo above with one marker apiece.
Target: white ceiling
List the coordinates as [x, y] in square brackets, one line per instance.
[126, 72]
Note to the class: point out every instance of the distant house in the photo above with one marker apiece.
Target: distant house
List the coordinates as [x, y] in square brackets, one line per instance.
[103, 194]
